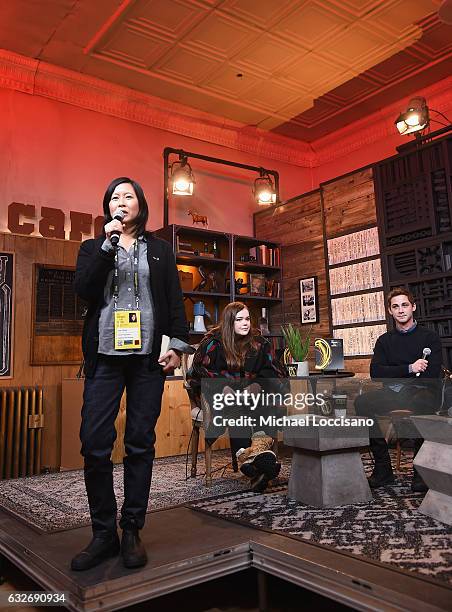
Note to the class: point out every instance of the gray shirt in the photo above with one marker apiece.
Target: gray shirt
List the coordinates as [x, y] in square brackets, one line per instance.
[126, 301]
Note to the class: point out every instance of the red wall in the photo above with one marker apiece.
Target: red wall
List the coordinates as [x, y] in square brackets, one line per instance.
[63, 156]
[58, 155]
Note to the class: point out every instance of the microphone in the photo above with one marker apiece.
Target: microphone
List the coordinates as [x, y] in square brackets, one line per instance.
[114, 236]
[425, 353]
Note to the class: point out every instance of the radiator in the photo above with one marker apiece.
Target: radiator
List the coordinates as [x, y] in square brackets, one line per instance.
[21, 423]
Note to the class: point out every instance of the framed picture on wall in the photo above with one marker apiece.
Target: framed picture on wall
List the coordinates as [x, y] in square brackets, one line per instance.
[7, 312]
[309, 303]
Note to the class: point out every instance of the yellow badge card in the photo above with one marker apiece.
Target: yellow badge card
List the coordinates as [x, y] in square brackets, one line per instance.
[127, 330]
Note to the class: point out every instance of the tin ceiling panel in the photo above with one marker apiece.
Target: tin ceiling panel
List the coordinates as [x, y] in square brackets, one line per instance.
[298, 67]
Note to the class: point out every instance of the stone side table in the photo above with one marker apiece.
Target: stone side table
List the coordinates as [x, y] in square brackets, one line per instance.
[326, 465]
[434, 464]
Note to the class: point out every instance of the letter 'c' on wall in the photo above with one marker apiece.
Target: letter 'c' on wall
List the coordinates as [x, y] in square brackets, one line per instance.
[15, 211]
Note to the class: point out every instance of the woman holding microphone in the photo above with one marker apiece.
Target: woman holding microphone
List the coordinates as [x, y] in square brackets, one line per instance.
[134, 297]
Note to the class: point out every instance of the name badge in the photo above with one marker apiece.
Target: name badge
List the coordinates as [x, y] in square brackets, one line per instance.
[127, 329]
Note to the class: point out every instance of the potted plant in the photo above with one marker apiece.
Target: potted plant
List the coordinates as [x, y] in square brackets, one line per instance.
[298, 347]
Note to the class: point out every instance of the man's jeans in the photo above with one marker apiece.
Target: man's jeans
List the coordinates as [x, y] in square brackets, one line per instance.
[143, 382]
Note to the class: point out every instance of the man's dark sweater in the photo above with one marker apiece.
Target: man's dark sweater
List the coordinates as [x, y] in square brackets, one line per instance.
[394, 352]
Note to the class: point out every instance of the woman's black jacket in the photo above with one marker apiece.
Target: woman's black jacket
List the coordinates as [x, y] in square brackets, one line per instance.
[93, 267]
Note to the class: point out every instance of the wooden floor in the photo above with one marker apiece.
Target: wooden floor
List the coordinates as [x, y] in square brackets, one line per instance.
[191, 550]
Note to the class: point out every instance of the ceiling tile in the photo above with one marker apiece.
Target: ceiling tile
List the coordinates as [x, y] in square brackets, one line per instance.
[186, 66]
[311, 71]
[226, 82]
[173, 18]
[141, 48]
[437, 40]
[396, 66]
[266, 55]
[356, 44]
[262, 13]
[318, 111]
[220, 36]
[357, 7]
[398, 15]
[311, 24]
[351, 90]
[268, 95]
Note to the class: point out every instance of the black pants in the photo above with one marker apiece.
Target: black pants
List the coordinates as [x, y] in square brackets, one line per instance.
[143, 382]
[381, 402]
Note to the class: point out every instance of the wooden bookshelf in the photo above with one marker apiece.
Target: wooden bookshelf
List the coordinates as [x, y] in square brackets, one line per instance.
[226, 266]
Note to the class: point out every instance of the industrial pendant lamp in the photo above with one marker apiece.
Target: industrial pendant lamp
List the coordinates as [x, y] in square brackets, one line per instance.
[264, 189]
[181, 177]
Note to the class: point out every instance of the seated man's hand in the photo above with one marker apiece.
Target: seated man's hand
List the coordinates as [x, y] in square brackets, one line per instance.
[419, 366]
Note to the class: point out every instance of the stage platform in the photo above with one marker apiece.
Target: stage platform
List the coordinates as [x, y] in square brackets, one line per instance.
[186, 548]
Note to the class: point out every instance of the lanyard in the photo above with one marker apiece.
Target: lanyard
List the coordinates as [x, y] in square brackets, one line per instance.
[135, 275]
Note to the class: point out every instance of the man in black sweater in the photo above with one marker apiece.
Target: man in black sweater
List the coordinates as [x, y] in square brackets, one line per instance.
[400, 355]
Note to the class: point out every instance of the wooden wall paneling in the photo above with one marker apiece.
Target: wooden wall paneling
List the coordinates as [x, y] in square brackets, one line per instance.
[51, 435]
[297, 225]
[31, 250]
[24, 248]
[40, 257]
[349, 202]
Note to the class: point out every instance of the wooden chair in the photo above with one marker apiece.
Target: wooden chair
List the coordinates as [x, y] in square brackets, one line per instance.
[198, 413]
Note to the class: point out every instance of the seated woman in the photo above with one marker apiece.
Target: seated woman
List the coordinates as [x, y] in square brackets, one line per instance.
[239, 354]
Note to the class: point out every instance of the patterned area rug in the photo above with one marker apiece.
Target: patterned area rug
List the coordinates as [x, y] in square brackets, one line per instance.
[56, 502]
[389, 529]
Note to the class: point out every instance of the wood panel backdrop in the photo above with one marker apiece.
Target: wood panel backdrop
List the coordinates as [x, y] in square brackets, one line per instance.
[303, 225]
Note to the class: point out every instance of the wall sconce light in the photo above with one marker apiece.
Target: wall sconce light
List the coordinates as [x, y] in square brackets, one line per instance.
[181, 177]
[416, 117]
[264, 190]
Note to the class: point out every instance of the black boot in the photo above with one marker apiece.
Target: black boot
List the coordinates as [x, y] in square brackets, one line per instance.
[103, 546]
[382, 473]
[381, 476]
[417, 484]
[132, 550]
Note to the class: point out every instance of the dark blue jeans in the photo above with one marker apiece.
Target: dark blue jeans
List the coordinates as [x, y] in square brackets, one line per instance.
[143, 382]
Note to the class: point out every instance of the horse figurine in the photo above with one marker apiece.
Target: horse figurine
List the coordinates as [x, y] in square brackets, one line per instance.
[198, 218]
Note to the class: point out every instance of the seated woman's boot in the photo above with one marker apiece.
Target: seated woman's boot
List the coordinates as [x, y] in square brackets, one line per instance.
[258, 462]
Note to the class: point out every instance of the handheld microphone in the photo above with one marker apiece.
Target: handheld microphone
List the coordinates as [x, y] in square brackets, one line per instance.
[114, 236]
[425, 353]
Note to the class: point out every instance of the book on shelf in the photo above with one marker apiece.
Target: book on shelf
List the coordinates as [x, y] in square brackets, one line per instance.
[267, 256]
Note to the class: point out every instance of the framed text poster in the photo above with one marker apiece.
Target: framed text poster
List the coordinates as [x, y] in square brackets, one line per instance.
[6, 313]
